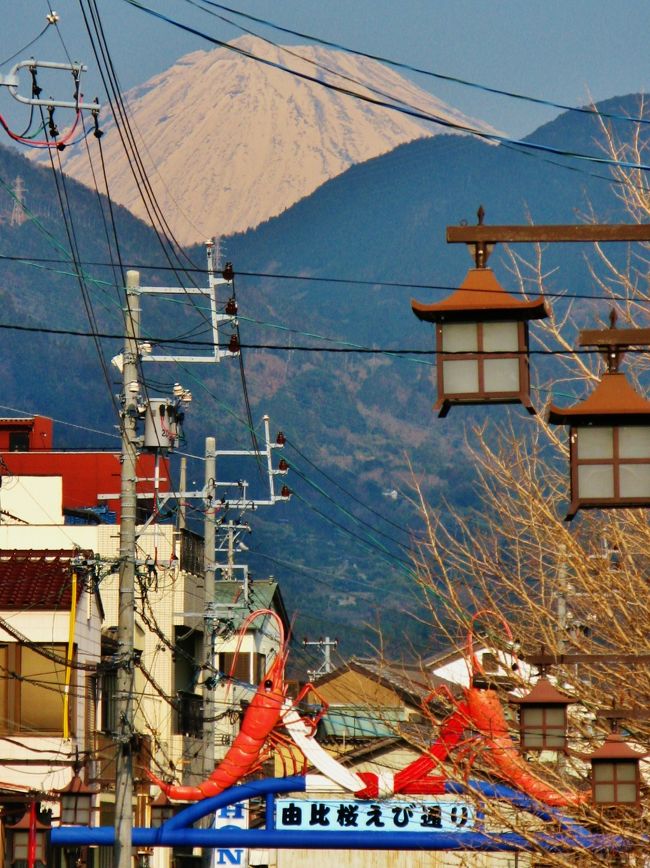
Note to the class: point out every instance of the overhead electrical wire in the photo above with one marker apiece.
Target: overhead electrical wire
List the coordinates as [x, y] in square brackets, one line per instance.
[385, 554]
[33, 41]
[69, 226]
[338, 74]
[168, 243]
[270, 275]
[171, 248]
[425, 116]
[397, 64]
[405, 549]
[371, 351]
[345, 491]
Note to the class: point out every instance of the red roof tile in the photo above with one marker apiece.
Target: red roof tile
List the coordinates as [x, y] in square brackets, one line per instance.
[36, 579]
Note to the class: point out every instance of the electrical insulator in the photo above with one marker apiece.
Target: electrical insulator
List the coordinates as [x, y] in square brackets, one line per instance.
[280, 439]
[233, 344]
[231, 307]
[286, 491]
[228, 272]
[283, 467]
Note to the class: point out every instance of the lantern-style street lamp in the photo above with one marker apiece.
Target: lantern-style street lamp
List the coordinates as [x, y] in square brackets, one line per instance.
[161, 810]
[543, 717]
[76, 802]
[481, 340]
[615, 777]
[609, 432]
[28, 840]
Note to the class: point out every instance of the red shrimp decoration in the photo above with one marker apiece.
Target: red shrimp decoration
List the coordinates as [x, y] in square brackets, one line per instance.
[261, 716]
[485, 714]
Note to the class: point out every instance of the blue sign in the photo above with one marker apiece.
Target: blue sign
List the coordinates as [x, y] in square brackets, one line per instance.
[393, 816]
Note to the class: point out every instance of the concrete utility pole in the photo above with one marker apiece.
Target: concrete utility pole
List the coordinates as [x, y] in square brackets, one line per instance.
[122, 856]
[326, 646]
[209, 531]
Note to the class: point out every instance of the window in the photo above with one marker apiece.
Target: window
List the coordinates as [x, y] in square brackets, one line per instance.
[19, 441]
[34, 702]
[242, 670]
[109, 702]
[189, 714]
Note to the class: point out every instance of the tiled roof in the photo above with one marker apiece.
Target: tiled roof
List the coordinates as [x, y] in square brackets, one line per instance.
[352, 722]
[411, 683]
[36, 579]
[264, 594]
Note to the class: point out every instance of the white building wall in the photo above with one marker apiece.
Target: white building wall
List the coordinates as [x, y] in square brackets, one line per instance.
[36, 499]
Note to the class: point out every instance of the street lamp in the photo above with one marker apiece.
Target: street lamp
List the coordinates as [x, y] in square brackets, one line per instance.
[161, 810]
[76, 802]
[615, 777]
[543, 717]
[28, 839]
[609, 432]
[481, 341]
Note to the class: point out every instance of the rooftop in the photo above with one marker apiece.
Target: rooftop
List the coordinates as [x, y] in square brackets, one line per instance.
[37, 579]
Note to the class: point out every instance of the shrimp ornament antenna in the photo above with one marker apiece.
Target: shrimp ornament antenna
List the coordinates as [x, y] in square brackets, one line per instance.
[261, 717]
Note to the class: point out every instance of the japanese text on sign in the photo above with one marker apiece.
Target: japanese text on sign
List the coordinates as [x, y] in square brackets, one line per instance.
[374, 816]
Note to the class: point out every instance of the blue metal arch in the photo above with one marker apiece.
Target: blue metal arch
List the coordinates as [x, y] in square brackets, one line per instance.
[179, 830]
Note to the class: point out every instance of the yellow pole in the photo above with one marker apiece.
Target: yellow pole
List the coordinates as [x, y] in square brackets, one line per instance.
[68, 660]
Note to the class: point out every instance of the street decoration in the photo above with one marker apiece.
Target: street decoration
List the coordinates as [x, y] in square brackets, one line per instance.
[376, 812]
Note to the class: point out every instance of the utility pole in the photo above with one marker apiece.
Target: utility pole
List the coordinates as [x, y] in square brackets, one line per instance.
[209, 531]
[122, 857]
[326, 646]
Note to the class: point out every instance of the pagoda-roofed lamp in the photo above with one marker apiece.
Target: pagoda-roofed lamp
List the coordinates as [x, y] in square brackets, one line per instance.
[609, 432]
[161, 810]
[543, 717]
[76, 801]
[615, 774]
[482, 341]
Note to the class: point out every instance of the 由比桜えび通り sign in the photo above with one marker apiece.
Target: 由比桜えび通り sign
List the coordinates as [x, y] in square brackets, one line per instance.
[391, 816]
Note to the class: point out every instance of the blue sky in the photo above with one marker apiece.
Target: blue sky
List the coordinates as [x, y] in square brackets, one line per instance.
[561, 50]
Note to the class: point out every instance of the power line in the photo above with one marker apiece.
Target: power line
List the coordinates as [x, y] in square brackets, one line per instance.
[371, 351]
[270, 275]
[403, 109]
[421, 71]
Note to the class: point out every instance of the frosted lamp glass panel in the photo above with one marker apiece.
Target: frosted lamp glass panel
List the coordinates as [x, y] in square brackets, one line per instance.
[555, 716]
[460, 337]
[555, 740]
[634, 441]
[634, 480]
[605, 793]
[595, 443]
[626, 772]
[533, 717]
[533, 739]
[626, 793]
[595, 481]
[603, 771]
[500, 337]
[460, 378]
[501, 375]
